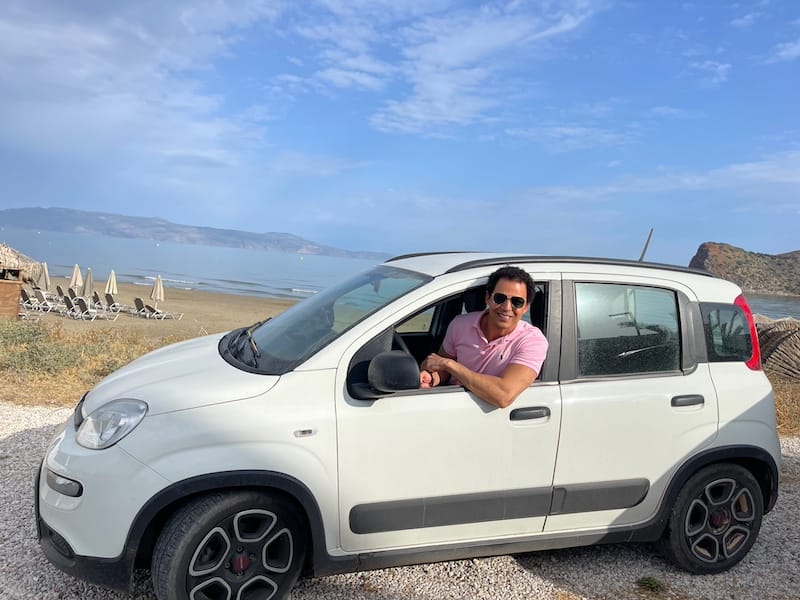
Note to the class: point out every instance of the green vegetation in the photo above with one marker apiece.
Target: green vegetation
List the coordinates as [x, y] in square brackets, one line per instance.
[651, 584]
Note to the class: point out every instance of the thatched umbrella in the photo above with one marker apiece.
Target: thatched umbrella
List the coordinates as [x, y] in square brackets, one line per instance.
[12, 261]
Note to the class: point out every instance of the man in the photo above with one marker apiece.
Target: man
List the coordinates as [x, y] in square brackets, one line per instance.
[492, 353]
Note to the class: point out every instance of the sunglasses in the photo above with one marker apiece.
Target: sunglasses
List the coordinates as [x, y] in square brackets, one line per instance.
[516, 301]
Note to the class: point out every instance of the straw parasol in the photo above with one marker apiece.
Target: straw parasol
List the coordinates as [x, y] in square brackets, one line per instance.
[13, 260]
[111, 284]
[76, 281]
[157, 293]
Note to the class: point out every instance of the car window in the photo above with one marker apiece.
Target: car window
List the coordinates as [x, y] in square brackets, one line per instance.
[727, 332]
[626, 329]
[294, 335]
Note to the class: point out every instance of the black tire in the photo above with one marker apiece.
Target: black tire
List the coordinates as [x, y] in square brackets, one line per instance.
[222, 544]
[715, 520]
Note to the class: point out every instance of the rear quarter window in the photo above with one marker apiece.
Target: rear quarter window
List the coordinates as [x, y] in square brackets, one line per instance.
[727, 332]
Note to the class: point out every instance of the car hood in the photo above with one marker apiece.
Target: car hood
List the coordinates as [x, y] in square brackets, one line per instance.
[185, 375]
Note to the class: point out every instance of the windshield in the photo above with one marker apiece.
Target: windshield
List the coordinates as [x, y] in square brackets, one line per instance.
[294, 335]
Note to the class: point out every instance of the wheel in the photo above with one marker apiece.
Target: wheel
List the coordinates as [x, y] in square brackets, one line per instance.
[715, 520]
[230, 546]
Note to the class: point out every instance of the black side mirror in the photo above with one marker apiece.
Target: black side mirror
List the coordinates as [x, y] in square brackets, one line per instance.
[393, 371]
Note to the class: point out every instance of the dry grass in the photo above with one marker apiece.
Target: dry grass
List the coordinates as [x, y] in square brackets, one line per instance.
[47, 364]
[787, 404]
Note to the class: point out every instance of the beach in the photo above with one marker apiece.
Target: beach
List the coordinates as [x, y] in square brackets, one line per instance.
[203, 312]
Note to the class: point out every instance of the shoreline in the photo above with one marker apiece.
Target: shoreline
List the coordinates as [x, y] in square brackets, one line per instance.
[204, 312]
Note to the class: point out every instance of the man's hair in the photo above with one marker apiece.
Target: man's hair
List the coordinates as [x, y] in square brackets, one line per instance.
[514, 274]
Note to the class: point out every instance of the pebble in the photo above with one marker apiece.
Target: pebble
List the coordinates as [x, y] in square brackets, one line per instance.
[771, 571]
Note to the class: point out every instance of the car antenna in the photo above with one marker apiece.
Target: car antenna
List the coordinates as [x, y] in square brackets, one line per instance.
[646, 244]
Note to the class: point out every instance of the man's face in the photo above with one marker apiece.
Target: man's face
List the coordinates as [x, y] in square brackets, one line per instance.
[504, 315]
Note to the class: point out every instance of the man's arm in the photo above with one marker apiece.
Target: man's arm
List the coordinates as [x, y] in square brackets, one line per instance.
[499, 391]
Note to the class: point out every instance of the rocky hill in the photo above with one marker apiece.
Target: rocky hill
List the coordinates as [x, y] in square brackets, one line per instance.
[777, 274]
[115, 225]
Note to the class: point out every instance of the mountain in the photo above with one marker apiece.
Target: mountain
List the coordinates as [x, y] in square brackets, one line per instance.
[114, 225]
[777, 274]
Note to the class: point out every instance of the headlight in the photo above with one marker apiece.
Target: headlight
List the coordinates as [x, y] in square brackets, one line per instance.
[110, 423]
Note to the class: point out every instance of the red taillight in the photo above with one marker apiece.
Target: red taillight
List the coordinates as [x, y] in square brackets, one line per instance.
[754, 362]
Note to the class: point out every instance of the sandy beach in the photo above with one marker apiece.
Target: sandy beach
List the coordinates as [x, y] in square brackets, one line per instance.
[203, 312]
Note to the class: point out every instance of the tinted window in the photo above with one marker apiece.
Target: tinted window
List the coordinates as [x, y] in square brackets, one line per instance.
[626, 329]
[727, 333]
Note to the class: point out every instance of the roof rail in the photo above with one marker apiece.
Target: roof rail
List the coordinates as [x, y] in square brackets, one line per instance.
[485, 262]
[418, 254]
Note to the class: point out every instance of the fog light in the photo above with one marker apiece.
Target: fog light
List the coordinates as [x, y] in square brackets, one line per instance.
[63, 485]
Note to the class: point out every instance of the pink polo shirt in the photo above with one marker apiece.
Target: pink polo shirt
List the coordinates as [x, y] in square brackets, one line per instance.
[465, 341]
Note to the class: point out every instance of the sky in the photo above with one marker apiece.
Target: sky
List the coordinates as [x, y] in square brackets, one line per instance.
[552, 127]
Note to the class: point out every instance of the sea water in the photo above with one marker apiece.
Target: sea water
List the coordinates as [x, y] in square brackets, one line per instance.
[228, 270]
[188, 266]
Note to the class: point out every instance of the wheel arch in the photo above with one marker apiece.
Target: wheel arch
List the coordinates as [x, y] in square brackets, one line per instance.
[756, 460]
[154, 514]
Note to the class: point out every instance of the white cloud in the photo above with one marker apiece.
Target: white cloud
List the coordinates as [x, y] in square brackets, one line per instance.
[786, 52]
[565, 138]
[298, 163]
[746, 21]
[714, 72]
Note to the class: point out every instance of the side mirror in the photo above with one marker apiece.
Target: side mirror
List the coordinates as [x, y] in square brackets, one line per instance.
[393, 371]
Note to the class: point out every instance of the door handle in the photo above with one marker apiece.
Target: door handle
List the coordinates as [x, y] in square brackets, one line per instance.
[530, 412]
[688, 400]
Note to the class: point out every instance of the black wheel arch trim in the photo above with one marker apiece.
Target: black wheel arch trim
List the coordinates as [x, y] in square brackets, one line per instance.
[153, 514]
[757, 460]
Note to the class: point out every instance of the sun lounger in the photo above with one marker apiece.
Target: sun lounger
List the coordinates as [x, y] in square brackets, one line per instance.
[88, 313]
[71, 310]
[44, 304]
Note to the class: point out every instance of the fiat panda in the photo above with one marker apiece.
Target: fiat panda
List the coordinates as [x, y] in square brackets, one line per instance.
[303, 445]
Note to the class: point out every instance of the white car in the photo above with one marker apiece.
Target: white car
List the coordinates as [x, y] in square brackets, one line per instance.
[232, 464]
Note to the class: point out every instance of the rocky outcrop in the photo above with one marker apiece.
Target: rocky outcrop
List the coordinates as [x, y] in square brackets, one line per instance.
[777, 274]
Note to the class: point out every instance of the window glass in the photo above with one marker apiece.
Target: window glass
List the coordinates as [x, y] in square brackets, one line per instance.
[727, 333]
[419, 323]
[626, 329]
[290, 338]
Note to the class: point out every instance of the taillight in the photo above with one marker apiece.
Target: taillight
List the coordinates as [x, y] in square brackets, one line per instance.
[754, 362]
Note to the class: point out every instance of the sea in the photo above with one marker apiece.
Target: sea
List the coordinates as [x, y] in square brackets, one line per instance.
[227, 270]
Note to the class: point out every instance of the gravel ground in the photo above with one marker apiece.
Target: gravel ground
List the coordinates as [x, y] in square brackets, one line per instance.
[770, 571]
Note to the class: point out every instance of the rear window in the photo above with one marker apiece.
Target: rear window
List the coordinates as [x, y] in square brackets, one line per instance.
[727, 332]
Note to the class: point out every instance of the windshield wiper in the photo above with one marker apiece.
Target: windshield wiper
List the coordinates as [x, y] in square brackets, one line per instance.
[246, 334]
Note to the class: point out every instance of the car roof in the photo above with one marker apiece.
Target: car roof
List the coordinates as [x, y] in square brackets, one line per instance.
[439, 263]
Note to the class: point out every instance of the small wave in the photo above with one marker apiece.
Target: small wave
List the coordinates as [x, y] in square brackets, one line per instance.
[302, 291]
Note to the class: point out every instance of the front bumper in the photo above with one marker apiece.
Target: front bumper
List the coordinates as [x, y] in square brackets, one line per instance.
[115, 573]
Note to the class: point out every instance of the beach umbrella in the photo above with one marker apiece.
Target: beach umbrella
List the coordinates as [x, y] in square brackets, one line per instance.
[76, 281]
[157, 293]
[87, 289]
[43, 276]
[111, 284]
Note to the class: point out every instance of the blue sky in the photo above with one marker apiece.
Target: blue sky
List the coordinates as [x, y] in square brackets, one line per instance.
[556, 127]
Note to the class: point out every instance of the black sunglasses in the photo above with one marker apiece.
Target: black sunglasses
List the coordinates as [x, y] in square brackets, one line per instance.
[516, 301]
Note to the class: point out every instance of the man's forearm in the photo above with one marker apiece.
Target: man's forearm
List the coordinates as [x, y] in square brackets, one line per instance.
[489, 388]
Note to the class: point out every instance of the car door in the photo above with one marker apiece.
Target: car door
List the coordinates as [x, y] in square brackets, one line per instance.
[634, 405]
[440, 466]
